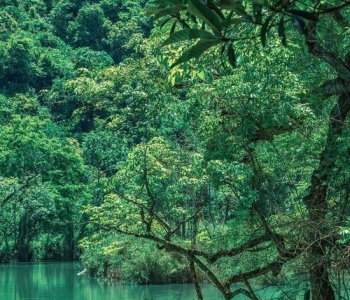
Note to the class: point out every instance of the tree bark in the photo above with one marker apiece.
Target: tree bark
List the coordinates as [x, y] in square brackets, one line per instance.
[22, 247]
[195, 280]
[316, 199]
[316, 203]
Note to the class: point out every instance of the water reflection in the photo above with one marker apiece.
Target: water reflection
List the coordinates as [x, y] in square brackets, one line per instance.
[59, 281]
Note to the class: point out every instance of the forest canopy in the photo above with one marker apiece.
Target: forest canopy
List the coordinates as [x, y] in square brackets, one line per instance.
[173, 141]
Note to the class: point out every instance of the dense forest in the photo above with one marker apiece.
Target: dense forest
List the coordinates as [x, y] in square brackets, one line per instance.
[176, 141]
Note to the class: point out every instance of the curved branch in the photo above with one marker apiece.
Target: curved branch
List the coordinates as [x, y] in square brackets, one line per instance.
[171, 232]
[24, 186]
[242, 291]
[274, 267]
[331, 88]
[318, 51]
[238, 250]
[329, 9]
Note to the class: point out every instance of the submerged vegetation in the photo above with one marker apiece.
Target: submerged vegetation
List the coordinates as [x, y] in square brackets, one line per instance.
[222, 156]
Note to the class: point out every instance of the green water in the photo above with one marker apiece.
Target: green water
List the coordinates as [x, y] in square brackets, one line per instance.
[59, 281]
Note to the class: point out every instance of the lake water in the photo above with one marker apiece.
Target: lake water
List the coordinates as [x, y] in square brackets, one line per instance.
[59, 281]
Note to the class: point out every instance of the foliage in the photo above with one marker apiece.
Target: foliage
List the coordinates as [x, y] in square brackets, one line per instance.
[231, 166]
[249, 119]
[41, 172]
[229, 23]
[130, 260]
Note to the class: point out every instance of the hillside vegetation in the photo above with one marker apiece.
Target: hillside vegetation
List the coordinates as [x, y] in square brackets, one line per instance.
[174, 141]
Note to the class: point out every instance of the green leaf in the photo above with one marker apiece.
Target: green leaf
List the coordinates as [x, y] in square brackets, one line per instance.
[151, 10]
[227, 21]
[164, 22]
[261, 2]
[227, 4]
[164, 3]
[196, 51]
[172, 29]
[234, 21]
[264, 29]
[199, 9]
[217, 10]
[232, 56]
[303, 14]
[299, 24]
[234, 5]
[161, 12]
[281, 32]
[188, 34]
[223, 48]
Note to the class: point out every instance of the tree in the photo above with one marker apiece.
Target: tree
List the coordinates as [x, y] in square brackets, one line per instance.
[225, 22]
[41, 173]
[234, 26]
[88, 29]
[128, 26]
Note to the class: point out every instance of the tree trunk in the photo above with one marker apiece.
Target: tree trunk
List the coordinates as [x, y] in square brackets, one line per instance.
[316, 202]
[70, 242]
[22, 247]
[195, 280]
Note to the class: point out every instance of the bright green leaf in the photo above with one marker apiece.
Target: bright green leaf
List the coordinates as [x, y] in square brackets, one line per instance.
[196, 51]
[187, 34]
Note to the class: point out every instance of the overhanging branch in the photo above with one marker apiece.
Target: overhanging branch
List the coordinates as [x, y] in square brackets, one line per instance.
[274, 267]
[333, 87]
[237, 250]
[316, 49]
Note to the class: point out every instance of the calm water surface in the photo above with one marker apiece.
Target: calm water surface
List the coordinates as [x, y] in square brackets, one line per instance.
[59, 281]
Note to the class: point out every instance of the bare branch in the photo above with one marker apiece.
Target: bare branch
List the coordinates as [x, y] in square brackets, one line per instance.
[144, 207]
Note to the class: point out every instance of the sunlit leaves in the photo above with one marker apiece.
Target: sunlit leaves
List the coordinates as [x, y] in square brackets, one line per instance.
[157, 175]
[188, 34]
[8, 24]
[233, 21]
[196, 51]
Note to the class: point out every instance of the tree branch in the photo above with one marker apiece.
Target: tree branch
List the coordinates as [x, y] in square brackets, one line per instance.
[176, 228]
[331, 87]
[25, 185]
[318, 51]
[237, 250]
[273, 267]
[242, 291]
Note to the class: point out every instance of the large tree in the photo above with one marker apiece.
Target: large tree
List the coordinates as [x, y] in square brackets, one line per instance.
[227, 23]
[257, 133]
[41, 183]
